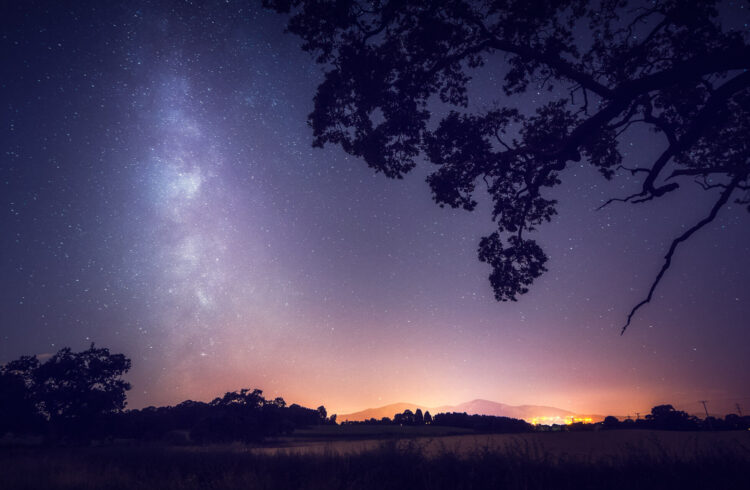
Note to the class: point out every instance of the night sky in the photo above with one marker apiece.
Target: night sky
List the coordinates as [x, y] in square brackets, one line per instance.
[159, 196]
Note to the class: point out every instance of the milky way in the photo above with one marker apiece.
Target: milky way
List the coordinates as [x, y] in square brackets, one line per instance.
[160, 196]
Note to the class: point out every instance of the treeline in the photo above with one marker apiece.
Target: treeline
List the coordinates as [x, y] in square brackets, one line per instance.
[243, 415]
[666, 417]
[478, 423]
[80, 396]
[662, 417]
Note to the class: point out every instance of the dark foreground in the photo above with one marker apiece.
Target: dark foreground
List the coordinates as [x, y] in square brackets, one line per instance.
[389, 465]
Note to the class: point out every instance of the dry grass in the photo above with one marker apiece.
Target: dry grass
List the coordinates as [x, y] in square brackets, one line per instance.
[569, 445]
[616, 460]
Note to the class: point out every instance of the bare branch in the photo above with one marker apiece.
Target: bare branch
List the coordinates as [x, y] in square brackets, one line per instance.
[619, 199]
[706, 186]
[668, 258]
[644, 199]
[704, 119]
[703, 171]
[634, 170]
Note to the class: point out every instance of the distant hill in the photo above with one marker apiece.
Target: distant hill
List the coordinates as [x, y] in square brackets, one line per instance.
[525, 412]
[530, 413]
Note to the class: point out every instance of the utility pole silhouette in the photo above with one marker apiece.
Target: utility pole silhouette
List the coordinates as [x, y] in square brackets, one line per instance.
[638, 415]
[704, 406]
[739, 410]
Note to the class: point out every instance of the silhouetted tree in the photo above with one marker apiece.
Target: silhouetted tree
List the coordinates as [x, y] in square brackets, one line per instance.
[302, 416]
[733, 421]
[611, 422]
[404, 418]
[246, 415]
[243, 415]
[608, 67]
[81, 396]
[667, 418]
[74, 390]
[18, 406]
[418, 417]
[427, 418]
[245, 398]
[481, 423]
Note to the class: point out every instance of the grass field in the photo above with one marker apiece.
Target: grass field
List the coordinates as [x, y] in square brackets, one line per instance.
[589, 445]
[356, 431]
[584, 460]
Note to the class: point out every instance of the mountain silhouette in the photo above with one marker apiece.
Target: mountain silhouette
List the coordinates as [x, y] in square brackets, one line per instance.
[479, 407]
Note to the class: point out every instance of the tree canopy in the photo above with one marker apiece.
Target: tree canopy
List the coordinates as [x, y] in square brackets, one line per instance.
[609, 66]
[80, 385]
[80, 396]
[71, 391]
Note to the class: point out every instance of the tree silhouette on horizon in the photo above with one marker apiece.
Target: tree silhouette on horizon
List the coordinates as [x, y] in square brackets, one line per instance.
[81, 396]
[71, 392]
[667, 65]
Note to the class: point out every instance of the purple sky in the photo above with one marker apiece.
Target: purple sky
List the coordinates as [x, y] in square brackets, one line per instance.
[159, 196]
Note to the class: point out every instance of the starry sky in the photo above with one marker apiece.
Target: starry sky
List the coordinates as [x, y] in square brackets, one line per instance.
[159, 196]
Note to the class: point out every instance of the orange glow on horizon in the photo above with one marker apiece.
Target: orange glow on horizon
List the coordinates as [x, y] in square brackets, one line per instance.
[569, 420]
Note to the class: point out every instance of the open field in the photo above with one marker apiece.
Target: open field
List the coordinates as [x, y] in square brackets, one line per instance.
[357, 431]
[589, 445]
[612, 460]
